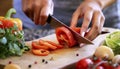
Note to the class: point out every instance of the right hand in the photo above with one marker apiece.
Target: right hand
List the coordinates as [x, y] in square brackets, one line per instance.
[38, 10]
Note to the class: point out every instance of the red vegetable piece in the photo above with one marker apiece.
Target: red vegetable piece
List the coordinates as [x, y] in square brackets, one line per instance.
[84, 64]
[55, 44]
[6, 24]
[64, 36]
[36, 45]
[45, 43]
[40, 52]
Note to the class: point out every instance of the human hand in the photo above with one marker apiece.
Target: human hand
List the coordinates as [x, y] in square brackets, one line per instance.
[38, 10]
[90, 11]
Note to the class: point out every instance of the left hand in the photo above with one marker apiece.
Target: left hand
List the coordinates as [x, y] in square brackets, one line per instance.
[91, 12]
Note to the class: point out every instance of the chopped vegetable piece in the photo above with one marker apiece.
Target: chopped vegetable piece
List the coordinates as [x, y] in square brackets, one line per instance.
[37, 45]
[43, 42]
[65, 37]
[55, 44]
[40, 52]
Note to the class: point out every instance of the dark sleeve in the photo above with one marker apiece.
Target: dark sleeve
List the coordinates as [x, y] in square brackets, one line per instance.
[112, 15]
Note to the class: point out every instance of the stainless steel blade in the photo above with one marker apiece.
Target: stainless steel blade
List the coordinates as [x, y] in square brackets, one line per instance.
[55, 23]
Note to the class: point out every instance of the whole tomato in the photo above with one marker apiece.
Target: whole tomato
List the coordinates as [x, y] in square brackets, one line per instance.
[118, 67]
[85, 63]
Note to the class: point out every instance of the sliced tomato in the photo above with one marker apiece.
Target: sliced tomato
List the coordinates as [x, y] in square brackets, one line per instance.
[45, 43]
[36, 45]
[40, 52]
[55, 44]
[64, 36]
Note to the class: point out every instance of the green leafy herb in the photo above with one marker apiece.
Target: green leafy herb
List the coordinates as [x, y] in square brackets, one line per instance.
[12, 42]
[113, 41]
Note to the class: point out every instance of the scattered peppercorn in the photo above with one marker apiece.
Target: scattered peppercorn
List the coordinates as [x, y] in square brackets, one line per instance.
[46, 62]
[43, 60]
[10, 62]
[77, 54]
[35, 62]
[29, 66]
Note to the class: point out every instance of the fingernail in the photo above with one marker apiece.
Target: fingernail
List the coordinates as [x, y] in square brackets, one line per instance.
[83, 33]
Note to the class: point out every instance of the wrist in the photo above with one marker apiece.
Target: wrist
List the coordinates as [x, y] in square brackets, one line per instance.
[103, 3]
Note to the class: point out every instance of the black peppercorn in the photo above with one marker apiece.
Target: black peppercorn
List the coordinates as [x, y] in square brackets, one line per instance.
[43, 60]
[77, 54]
[46, 62]
[29, 66]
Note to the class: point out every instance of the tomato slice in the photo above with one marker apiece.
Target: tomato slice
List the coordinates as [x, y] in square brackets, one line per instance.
[64, 36]
[45, 43]
[40, 52]
[36, 45]
[55, 44]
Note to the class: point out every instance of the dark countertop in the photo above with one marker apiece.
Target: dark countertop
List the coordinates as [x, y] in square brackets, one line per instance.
[30, 34]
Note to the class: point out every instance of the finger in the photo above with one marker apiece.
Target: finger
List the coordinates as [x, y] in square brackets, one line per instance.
[30, 7]
[87, 19]
[95, 29]
[27, 8]
[76, 15]
[44, 15]
[52, 8]
[102, 21]
[37, 10]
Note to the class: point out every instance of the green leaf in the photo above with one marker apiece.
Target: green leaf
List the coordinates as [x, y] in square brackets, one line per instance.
[3, 40]
[17, 49]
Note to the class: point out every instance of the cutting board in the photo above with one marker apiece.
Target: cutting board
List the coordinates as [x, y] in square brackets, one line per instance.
[57, 59]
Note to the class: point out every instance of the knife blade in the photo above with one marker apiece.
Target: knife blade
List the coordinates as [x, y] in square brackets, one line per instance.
[2, 66]
[55, 23]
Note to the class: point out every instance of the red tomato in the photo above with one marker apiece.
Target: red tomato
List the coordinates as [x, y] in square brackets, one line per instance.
[54, 44]
[96, 60]
[40, 52]
[64, 36]
[100, 67]
[36, 45]
[107, 66]
[84, 63]
[45, 43]
[118, 67]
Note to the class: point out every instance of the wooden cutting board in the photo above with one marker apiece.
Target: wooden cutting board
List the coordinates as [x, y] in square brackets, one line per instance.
[57, 59]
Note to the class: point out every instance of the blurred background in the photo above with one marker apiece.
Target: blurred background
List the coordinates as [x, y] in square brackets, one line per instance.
[63, 10]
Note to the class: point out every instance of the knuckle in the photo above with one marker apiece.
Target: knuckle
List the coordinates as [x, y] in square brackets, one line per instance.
[43, 16]
[87, 18]
[103, 17]
[95, 27]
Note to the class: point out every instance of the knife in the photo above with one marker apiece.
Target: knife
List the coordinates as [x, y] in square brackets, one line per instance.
[2, 66]
[55, 23]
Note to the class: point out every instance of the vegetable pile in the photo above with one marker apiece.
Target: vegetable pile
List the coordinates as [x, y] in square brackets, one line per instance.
[43, 47]
[103, 59]
[106, 56]
[113, 41]
[11, 36]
